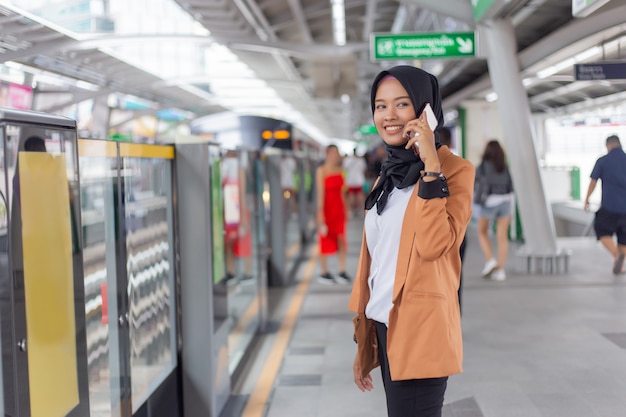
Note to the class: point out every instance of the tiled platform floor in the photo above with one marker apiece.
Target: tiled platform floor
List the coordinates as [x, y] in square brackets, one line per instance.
[540, 345]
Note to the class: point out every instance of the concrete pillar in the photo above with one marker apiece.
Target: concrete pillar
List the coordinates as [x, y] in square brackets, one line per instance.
[101, 117]
[535, 212]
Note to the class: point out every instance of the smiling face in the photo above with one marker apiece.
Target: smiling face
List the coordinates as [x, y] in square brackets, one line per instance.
[393, 109]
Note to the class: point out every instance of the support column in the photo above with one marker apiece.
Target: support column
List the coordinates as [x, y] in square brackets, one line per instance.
[535, 212]
[101, 117]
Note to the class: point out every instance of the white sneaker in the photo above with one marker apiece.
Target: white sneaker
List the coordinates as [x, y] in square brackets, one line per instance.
[490, 266]
[498, 275]
[342, 279]
[326, 279]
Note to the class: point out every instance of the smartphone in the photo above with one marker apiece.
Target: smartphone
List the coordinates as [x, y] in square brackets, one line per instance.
[430, 118]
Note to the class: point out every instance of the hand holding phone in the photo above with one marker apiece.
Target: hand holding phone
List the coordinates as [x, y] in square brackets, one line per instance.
[430, 118]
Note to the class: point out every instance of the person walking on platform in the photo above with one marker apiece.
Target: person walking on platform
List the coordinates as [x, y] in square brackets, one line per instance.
[405, 291]
[610, 219]
[497, 206]
[355, 179]
[331, 216]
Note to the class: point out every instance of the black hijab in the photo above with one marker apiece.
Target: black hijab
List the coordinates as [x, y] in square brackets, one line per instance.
[403, 168]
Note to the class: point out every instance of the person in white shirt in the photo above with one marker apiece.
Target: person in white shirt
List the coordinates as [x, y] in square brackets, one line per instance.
[354, 167]
[405, 291]
[288, 183]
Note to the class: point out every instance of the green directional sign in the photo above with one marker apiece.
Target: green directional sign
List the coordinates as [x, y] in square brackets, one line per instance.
[422, 45]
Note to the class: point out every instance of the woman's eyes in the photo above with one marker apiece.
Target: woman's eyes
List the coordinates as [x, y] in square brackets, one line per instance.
[400, 104]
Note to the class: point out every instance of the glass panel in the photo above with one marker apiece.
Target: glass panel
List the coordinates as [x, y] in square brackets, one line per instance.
[310, 195]
[290, 182]
[98, 177]
[41, 392]
[220, 279]
[5, 339]
[241, 246]
[150, 268]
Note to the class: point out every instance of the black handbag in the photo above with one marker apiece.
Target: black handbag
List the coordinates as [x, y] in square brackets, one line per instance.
[481, 187]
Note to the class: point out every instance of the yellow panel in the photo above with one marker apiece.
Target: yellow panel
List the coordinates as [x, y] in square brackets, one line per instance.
[102, 148]
[49, 284]
[137, 150]
[90, 147]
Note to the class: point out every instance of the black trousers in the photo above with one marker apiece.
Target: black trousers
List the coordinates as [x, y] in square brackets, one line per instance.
[413, 397]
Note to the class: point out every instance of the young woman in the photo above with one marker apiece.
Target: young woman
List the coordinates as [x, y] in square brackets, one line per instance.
[497, 208]
[405, 290]
[331, 216]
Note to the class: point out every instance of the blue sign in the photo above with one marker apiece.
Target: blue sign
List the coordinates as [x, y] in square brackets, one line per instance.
[600, 71]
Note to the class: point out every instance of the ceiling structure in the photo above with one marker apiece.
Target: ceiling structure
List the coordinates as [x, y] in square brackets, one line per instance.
[290, 45]
[293, 40]
[31, 42]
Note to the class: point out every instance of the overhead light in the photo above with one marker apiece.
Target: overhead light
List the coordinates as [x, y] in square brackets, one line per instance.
[569, 62]
[589, 53]
[345, 98]
[339, 21]
[491, 97]
[451, 116]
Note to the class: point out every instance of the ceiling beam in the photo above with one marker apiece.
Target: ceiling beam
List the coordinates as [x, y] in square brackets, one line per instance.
[294, 49]
[77, 97]
[556, 94]
[45, 47]
[460, 10]
[298, 13]
[370, 17]
[575, 31]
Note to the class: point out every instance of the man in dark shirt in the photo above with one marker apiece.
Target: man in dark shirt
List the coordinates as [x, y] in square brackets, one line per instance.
[611, 217]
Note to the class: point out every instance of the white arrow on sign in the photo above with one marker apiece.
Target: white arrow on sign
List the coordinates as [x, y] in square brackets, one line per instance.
[466, 46]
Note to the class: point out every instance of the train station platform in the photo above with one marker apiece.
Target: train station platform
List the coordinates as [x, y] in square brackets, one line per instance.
[535, 345]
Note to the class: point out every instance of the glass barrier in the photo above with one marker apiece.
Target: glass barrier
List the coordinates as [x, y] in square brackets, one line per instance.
[291, 182]
[150, 274]
[240, 190]
[5, 328]
[40, 320]
[98, 185]
[128, 259]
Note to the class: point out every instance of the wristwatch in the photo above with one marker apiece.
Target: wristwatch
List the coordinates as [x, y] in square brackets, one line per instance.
[434, 174]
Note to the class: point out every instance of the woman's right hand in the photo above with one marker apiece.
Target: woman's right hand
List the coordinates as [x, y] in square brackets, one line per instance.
[363, 383]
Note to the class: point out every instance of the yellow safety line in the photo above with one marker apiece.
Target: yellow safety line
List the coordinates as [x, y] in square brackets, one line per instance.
[263, 388]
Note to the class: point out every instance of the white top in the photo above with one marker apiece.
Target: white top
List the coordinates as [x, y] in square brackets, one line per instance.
[497, 199]
[230, 170]
[287, 171]
[382, 233]
[355, 171]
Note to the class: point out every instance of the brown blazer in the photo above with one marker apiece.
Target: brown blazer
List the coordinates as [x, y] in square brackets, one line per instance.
[424, 336]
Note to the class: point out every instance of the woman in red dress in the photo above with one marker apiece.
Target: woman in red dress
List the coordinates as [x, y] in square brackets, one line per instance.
[331, 216]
